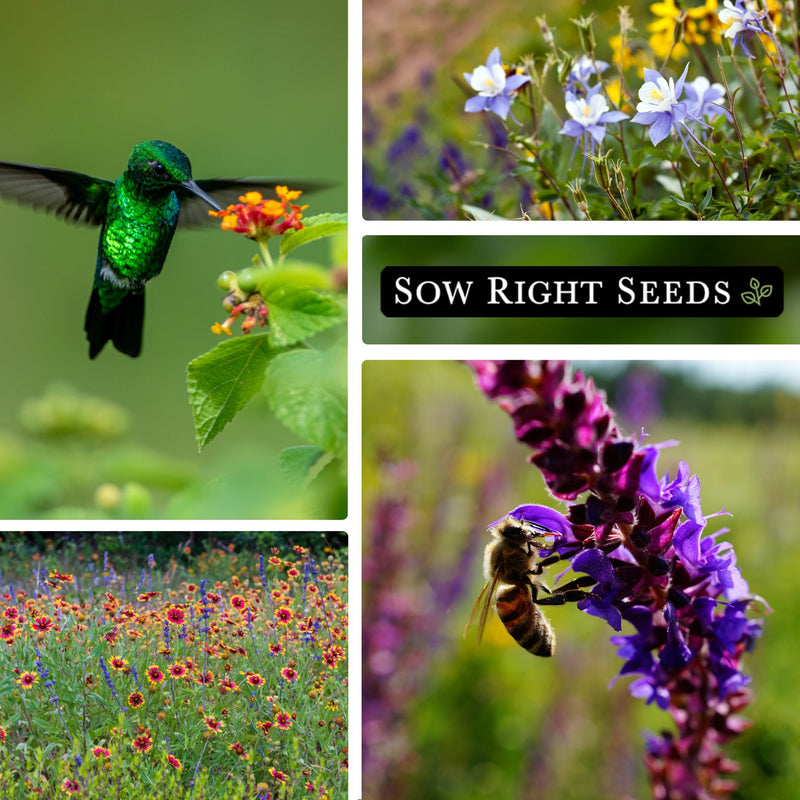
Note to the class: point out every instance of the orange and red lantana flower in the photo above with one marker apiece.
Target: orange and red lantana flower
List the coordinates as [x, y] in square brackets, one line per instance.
[258, 218]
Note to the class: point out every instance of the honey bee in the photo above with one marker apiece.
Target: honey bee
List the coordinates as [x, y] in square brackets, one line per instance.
[510, 563]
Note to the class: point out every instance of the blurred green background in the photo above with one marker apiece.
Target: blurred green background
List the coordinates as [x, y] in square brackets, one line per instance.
[244, 90]
[733, 251]
[458, 719]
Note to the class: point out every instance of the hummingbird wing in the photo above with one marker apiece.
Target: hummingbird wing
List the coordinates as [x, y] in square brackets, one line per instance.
[226, 191]
[71, 195]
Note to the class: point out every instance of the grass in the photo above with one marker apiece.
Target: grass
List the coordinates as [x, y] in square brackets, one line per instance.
[223, 679]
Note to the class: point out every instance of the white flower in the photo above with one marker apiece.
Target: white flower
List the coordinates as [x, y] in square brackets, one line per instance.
[657, 95]
[740, 17]
[488, 81]
[587, 113]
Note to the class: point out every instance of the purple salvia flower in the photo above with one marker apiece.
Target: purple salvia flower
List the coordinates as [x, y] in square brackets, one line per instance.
[605, 592]
[494, 88]
[641, 537]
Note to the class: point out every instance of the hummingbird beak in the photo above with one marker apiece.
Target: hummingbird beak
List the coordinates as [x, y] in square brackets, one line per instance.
[192, 187]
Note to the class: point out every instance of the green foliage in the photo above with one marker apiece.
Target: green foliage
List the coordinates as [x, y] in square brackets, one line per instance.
[303, 374]
[316, 227]
[223, 380]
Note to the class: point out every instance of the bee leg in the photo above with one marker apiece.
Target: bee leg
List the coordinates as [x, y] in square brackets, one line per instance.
[549, 561]
[570, 592]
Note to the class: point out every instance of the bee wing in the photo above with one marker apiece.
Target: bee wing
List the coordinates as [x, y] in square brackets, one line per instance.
[483, 602]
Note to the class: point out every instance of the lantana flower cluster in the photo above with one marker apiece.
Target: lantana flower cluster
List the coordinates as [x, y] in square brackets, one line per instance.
[643, 536]
[260, 219]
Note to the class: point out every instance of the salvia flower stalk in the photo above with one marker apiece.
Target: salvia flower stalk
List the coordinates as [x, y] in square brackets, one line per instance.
[642, 535]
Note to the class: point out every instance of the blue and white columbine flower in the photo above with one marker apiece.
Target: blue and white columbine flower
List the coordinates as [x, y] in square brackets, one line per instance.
[661, 108]
[743, 21]
[704, 99]
[659, 104]
[581, 72]
[589, 117]
[494, 89]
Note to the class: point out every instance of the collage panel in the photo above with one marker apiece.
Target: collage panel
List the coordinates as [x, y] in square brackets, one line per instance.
[175, 664]
[648, 111]
[578, 578]
[592, 289]
[158, 376]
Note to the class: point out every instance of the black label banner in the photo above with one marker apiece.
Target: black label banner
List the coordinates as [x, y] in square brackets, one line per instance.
[479, 291]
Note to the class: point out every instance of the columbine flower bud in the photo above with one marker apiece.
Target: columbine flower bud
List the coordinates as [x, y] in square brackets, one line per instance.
[586, 33]
[601, 172]
[547, 34]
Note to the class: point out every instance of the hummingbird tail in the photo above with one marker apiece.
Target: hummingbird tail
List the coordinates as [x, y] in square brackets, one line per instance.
[122, 324]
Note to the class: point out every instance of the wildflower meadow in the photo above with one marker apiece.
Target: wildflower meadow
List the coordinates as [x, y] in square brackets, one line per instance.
[209, 670]
[661, 110]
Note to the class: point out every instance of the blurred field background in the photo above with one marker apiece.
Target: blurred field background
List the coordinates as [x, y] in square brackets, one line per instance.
[736, 252]
[243, 91]
[448, 718]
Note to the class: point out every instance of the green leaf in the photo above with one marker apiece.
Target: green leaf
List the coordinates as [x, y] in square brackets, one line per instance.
[683, 204]
[297, 312]
[314, 228]
[307, 392]
[300, 465]
[782, 127]
[221, 382]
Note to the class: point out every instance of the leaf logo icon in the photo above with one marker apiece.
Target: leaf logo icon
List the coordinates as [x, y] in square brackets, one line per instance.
[758, 294]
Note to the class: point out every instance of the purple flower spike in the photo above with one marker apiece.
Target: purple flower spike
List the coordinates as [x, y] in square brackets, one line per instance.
[494, 88]
[639, 535]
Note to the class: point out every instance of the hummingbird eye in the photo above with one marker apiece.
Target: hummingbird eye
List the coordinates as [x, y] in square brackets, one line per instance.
[159, 169]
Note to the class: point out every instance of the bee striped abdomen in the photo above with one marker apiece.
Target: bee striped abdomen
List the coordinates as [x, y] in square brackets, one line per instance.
[524, 621]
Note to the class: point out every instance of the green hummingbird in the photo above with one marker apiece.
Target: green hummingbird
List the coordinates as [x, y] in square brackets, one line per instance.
[138, 214]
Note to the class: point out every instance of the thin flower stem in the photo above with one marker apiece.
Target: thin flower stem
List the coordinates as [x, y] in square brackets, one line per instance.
[739, 136]
[266, 257]
[677, 171]
[717, 170]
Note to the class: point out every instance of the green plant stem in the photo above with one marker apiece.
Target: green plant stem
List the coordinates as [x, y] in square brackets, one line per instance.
[717, 170]
[739, 136]
[266, 256]
[678, 175]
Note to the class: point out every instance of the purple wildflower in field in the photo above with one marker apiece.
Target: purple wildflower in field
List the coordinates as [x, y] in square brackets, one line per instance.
[589, 116]
[494, 88]
[745, 22]
[643, 537]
